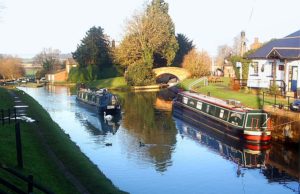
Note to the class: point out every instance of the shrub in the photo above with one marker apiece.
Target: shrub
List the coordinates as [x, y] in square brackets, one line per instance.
[139, 75]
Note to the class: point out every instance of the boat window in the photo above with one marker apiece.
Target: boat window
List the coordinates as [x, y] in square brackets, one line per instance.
[185, 100]
[221, 113]
[207, 108]
[212, 110]
[199, 105]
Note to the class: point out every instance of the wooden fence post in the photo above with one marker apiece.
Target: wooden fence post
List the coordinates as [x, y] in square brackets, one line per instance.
[19, 145]
[15, 112]
[8, 115]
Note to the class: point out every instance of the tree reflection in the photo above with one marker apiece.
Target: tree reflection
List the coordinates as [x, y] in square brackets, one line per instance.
[151, 126]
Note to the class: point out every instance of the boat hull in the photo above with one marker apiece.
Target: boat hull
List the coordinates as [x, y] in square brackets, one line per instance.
[109, 109]
[236, 133]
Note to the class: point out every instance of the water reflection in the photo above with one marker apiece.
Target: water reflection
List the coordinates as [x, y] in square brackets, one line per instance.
[233, 151]
[279, 164]
[152, 126]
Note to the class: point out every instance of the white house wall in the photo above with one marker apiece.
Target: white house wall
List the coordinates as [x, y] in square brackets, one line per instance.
[262, 79]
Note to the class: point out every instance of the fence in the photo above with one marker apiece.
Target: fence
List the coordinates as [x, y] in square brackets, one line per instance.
[277, 100]
[6, 116]
[31, 184]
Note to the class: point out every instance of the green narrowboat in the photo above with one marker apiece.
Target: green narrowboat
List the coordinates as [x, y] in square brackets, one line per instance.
[227, 117]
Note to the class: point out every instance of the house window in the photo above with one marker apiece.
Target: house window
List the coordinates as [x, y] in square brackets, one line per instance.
[281, 68]
[255, 68]
[199, 105]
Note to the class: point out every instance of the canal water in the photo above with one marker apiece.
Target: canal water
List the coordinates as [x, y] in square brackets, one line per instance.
[173, 156]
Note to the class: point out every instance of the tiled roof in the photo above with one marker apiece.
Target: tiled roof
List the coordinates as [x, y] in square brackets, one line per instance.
[286, 48]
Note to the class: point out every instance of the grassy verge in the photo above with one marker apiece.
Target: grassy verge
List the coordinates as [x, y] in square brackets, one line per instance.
[110, 83]
[36, 159]
[222, 90]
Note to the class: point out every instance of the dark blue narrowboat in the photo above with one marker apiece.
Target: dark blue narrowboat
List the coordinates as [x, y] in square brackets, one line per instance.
[104, 101]
[228, 117]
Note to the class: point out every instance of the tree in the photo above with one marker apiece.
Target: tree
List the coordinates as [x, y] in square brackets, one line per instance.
[198, 63]
[224, 53]
[185, 45]
[94, 49]
[139, 75]
[11, 68]
[49, 59]
[150, 38]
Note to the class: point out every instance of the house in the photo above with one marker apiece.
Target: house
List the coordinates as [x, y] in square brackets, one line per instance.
[62, 75]
[277, 61]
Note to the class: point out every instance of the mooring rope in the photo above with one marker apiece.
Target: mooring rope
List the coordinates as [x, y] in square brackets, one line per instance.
[285, 123]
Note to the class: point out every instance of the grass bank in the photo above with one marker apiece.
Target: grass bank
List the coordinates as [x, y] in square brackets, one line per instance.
[110, 83]
[37, 160]
[223, 90]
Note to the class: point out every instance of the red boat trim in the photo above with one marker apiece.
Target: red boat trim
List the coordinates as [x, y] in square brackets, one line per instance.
[257, 137]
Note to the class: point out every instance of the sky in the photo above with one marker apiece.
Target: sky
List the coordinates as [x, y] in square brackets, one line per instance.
[28, 26]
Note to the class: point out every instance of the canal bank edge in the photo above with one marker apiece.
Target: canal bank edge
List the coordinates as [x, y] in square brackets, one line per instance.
[66, 151]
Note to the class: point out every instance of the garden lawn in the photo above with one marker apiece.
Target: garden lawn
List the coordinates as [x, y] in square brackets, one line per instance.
[222, 90]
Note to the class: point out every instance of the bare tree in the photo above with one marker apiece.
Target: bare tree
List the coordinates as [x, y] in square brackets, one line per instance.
[198, 63]
[224, 52]
[49, 59]
[11, 68]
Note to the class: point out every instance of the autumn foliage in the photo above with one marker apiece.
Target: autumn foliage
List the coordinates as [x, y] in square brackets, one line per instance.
[197, 63]
[10, 68]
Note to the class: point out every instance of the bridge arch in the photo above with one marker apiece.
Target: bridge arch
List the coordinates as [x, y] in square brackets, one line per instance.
[171, 72]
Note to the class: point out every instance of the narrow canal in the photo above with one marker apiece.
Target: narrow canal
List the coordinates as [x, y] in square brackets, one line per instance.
[174, 157]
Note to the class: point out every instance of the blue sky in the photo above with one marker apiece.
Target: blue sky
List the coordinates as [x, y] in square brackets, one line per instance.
[28, 26]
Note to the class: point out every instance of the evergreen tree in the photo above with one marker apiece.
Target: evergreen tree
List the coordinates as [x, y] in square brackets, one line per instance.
[94, 49]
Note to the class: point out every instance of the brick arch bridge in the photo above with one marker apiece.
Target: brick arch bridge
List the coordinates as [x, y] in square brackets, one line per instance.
[180, 73]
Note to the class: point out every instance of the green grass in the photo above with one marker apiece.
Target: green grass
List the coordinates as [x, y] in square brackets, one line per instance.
[110, 83]
[5, 99]
[36, 159]
[30, 72]
[222, 90]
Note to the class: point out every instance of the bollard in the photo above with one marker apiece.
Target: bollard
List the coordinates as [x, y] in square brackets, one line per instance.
[30, 184]
[19, 145]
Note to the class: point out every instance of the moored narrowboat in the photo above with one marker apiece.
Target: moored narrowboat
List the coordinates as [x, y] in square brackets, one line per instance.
[103, 100]
[227, 117]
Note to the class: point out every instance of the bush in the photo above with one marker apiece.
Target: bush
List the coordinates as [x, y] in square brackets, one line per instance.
[92, 72]
[139, 75]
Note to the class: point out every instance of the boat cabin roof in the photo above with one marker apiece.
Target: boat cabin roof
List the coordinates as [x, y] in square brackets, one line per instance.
[226, 104]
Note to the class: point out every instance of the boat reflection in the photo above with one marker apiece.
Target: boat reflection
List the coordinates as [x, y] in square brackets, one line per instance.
[234, 151]
[281, 168]
[96, 124]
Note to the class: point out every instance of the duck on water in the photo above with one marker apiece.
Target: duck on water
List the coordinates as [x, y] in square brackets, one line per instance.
[104, 101]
